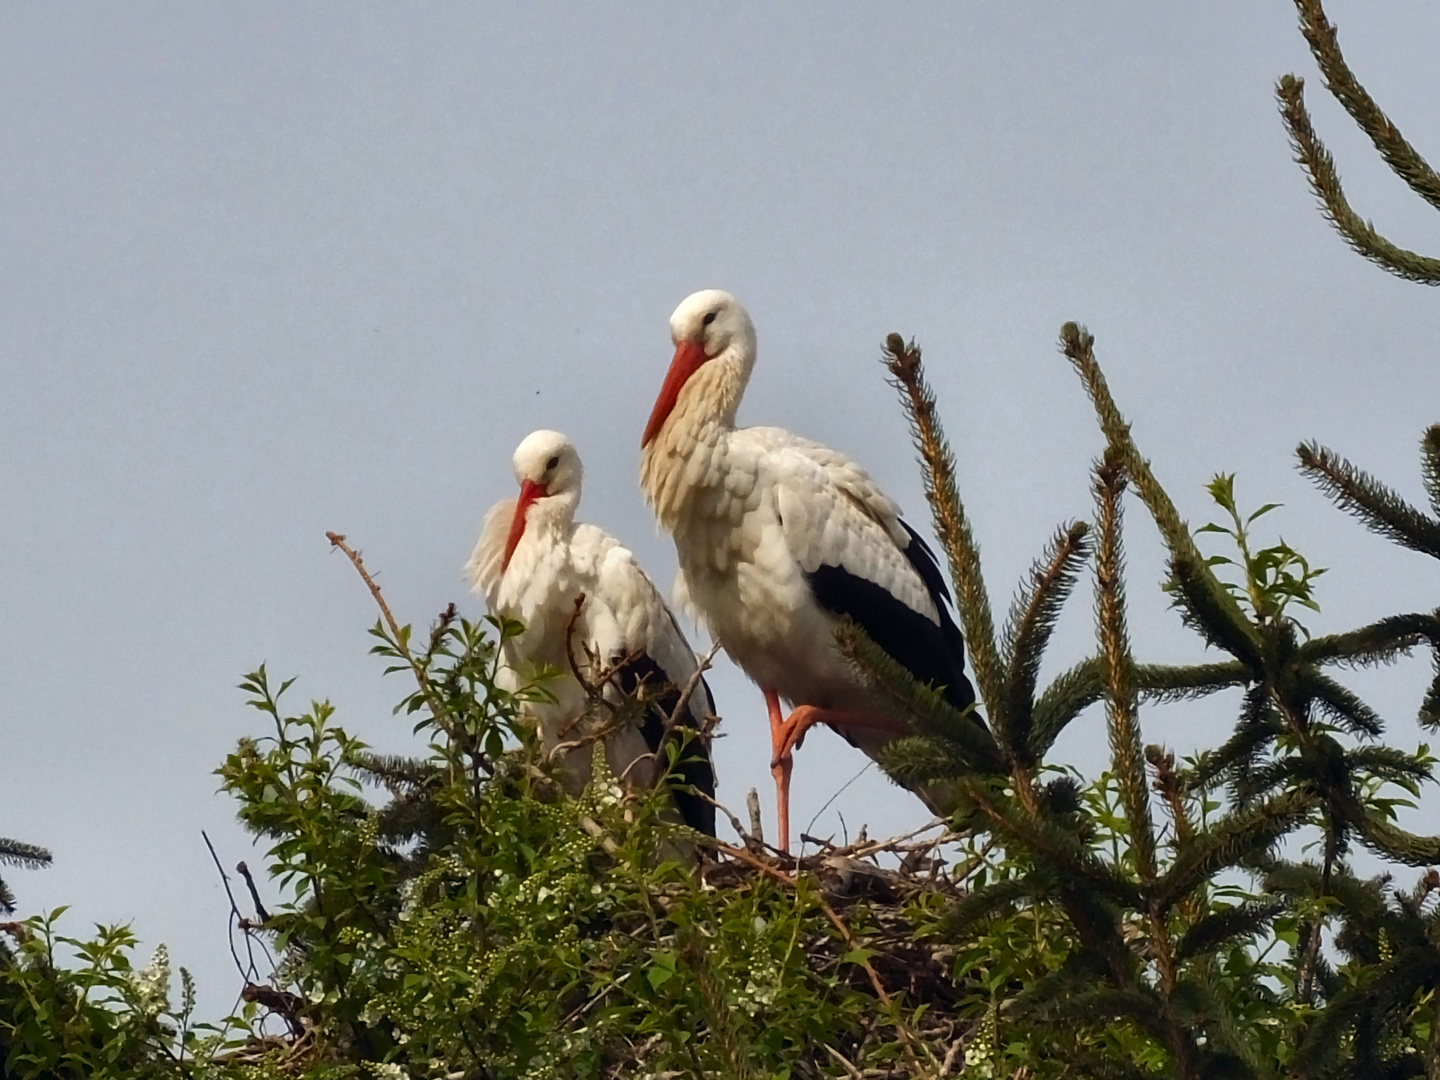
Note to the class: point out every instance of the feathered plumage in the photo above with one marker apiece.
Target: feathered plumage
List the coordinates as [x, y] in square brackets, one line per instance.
[531, 563]
[780, 537]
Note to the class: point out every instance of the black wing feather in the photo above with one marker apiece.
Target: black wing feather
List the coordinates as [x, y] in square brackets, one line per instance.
[933, 654]
[695, 768]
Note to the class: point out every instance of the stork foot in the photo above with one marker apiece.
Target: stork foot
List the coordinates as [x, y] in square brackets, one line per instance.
[787, 734]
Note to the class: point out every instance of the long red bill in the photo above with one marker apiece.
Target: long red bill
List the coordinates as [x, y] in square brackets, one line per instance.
[529, 492]
[688, 357]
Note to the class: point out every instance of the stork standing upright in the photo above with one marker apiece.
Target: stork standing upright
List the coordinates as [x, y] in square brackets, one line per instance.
[532, 562]
[779, 538]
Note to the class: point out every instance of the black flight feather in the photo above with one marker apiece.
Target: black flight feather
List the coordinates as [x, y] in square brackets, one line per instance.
[933, 654]
[695, 767]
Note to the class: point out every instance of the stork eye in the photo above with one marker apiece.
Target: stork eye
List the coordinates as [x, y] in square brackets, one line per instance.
[709, 318]
[552, 463]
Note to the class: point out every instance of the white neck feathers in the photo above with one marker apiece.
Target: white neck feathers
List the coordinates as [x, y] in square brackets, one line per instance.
[682, 458]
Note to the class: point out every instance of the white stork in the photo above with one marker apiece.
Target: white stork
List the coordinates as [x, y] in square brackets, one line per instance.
[532, 561]
[778, 539]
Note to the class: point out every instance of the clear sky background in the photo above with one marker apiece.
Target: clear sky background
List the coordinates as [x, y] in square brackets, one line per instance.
[271, 270]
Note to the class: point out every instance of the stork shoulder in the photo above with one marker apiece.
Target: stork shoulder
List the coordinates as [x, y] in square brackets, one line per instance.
[832, 514]
[804, 461]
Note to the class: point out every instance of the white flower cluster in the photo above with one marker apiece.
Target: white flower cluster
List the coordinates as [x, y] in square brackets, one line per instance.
[383, 1070]
[761, 987]
[980, 1053]
[979, 1061]
[152, 983]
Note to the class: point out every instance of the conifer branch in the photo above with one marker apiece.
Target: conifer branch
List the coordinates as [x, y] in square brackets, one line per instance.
[1271, 777]
[1341, 704]
[1074, 690]
[930, 714]
[1349, 1008]
[1078, 346]
[1361, 899]
[1165, 683]
[1226, 1033]
[1430, 708]
[1259, 723]
[1430, 465]
[1402, 158]
[1032, 620]
[19, 853]
[1232, 840]
[1069, 694]
[1103, 1003]
[1379, 643]
[1047, 840]
[1395, 843]
[1227, 925]
[1319, 166]
[1387, 763]
[916, 760]
[1126, 755]
[1213, 618]
[395, 772]
[1376, 505]
[719, 1016]
[1078, 972]
[952, 527]
[985, 901]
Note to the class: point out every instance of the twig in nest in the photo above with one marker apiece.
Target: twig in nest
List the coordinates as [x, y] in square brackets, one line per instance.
[844, 1062]
[757, 824]
[745, 837]
[594, 830]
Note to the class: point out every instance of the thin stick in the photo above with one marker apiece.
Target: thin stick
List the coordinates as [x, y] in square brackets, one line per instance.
[690, 684]
[244, 872]
[423, 679]
[235, 912]
[745, 838]
[838, 792]
[672, 723]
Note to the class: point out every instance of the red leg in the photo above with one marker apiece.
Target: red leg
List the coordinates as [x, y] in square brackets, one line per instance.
[780, 766]
[787, 735]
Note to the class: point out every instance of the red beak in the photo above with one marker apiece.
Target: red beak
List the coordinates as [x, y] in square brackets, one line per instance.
[688, 357]
[529, 492]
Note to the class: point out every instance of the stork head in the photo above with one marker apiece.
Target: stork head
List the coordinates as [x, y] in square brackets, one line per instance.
[709, 328]
[548, 469]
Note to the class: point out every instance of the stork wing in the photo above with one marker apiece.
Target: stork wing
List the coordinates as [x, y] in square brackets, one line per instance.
[861, 561]
[626, 617]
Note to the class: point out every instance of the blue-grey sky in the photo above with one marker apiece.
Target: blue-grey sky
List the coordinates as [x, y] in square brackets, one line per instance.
[268, 270]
